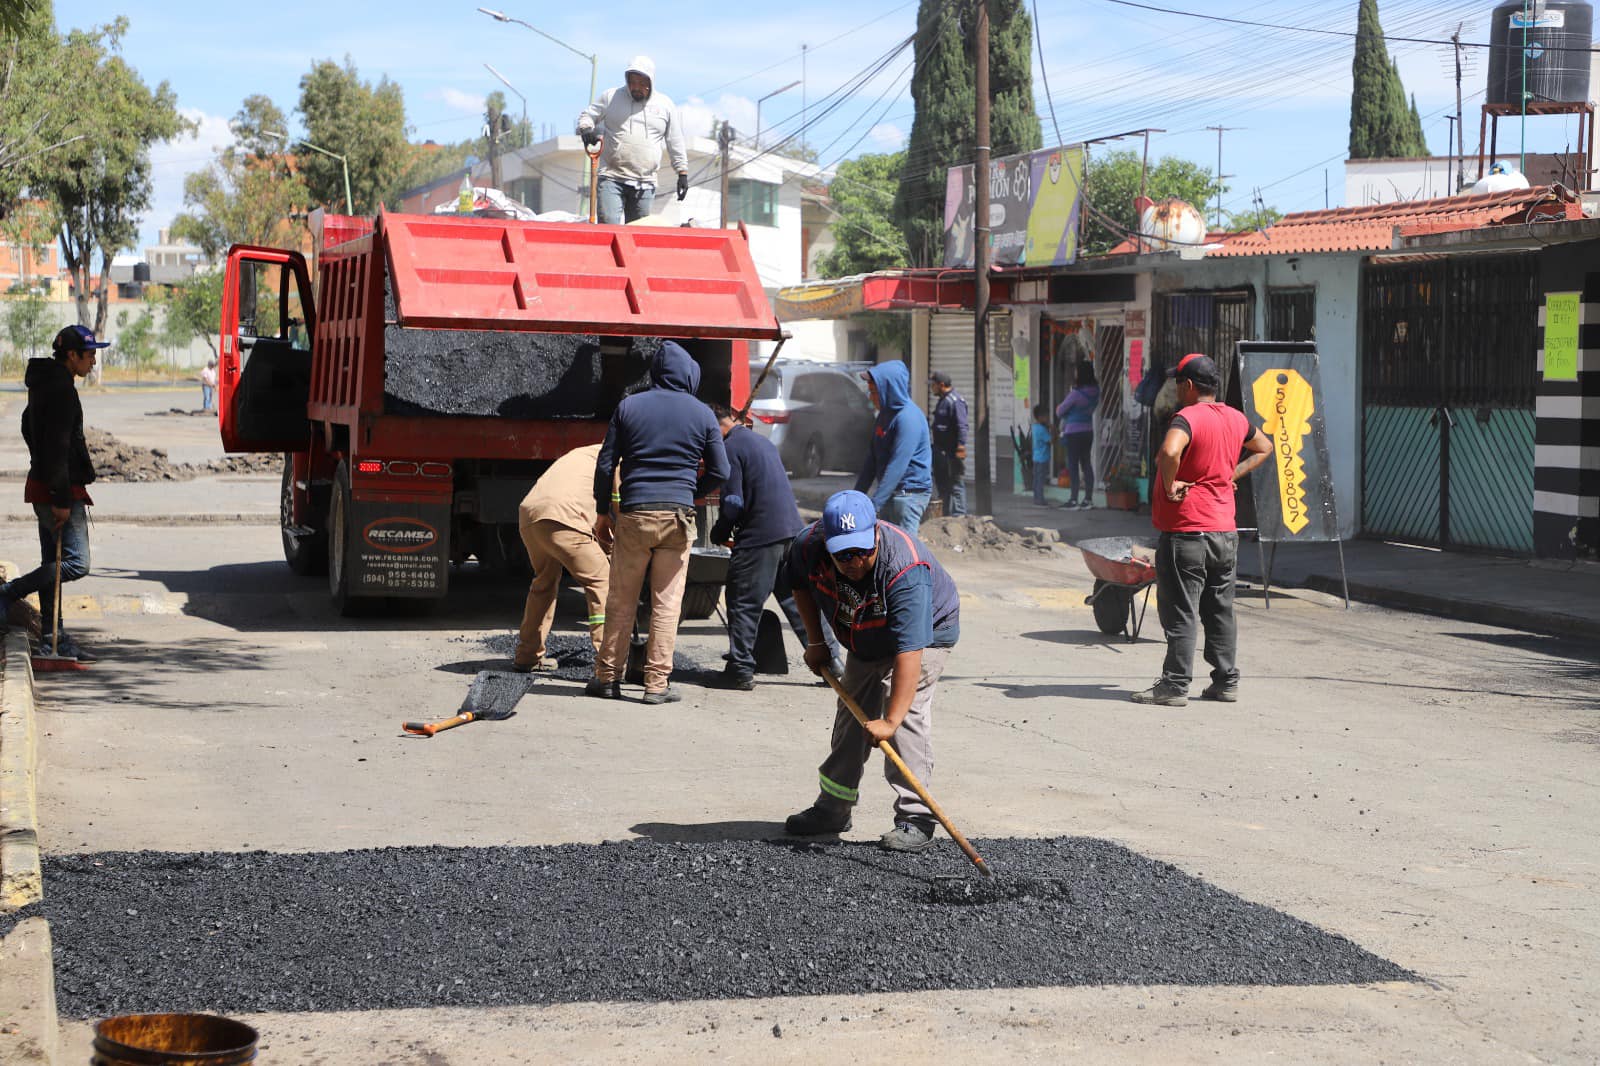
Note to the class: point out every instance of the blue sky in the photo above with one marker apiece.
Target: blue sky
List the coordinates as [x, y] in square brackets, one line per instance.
[1109, 67]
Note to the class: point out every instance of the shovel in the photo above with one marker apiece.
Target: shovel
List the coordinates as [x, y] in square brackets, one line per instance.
[53, 662]
[593, 151]
[492, 697]
[911, 778]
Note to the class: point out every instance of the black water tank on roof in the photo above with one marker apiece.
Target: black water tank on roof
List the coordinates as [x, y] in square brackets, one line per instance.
[1559, 36]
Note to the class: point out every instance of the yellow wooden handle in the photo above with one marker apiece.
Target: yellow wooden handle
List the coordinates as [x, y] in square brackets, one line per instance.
[911, 778]
[428, 729]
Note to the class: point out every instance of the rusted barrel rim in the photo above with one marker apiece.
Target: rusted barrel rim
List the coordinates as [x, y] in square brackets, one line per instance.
[228, 1037]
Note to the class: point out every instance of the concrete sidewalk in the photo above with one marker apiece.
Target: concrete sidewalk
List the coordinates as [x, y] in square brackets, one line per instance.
[1559, 599]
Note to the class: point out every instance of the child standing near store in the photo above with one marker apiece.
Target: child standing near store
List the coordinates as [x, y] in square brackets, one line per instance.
[1041, 452]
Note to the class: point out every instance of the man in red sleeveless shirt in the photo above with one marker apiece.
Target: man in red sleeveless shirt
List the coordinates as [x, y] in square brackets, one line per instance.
[1192, 505]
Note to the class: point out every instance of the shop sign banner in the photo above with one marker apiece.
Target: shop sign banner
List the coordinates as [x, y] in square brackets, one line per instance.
[1282, 394]
[1561, 336]
[1033, 209]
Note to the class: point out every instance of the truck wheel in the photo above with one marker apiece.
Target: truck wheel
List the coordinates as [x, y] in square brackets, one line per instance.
[305, 546]
[1111, 607]
[339, 547]
[811, 458]
[700, 601]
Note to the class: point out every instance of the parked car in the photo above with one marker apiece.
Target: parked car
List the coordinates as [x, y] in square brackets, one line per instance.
[818, 414]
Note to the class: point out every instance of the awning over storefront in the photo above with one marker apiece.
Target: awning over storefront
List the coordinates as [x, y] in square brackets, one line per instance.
[887, 291]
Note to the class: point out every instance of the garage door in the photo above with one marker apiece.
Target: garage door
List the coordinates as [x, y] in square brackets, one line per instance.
[950, 350]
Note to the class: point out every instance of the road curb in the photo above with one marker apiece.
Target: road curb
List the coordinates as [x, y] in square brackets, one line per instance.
[28, 1025]
[1503, 615]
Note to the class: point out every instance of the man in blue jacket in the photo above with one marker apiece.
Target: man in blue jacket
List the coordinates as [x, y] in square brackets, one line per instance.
[901, 458]
[949, 432]
[660, 436]
[759, 512]
[890, 602]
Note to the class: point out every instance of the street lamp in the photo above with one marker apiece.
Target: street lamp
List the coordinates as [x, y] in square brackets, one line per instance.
[594, 62]
[769, 96]
[513, 88]
[349, 203]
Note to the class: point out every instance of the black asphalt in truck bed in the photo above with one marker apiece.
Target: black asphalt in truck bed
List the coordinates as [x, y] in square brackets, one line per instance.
[645, 921]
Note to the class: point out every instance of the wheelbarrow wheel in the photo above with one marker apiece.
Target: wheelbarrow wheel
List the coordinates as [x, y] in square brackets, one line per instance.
[1111, 604]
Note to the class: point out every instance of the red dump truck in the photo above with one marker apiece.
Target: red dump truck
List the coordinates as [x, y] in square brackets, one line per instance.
[444, 362]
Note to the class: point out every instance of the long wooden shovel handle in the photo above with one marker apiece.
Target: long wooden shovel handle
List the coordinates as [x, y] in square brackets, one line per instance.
[428, 729]
[894, 757]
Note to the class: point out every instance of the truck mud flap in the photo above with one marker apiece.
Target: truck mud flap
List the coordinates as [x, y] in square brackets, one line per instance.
[399, 549]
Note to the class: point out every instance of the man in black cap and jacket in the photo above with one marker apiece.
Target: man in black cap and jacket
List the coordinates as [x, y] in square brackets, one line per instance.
[949, 437]
[58, 472]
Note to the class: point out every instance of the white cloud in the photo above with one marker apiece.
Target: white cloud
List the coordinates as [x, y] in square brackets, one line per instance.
[458, 100]
[887, 137]
[172, 161]
[697, 114]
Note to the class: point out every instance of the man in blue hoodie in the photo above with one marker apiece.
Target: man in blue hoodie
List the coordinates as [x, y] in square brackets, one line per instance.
[660, 437]
[901, 458]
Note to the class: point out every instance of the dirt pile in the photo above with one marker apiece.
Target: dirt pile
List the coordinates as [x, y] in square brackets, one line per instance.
[116, 460]
[977, 537]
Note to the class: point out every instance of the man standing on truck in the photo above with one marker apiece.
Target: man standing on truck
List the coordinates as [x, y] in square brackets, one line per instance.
[635, 121]
[759, 512]
[900, 459]
[660, 437]
[557, 520]
[1197, 557]
[58, 475]
[949, 432]
[888, 600]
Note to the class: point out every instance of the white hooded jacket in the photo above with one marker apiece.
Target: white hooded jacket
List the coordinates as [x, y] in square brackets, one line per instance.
[634, 132]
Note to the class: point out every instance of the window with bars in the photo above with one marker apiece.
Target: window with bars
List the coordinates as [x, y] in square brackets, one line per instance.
[1291, 314]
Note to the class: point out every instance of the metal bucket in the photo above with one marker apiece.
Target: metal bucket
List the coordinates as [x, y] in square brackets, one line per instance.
[170, 1039]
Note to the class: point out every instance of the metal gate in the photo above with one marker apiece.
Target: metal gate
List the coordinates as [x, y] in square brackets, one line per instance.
[1448, 385]
[1207, 322]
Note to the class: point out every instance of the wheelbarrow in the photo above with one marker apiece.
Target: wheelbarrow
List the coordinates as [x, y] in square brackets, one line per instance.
[1122, 567]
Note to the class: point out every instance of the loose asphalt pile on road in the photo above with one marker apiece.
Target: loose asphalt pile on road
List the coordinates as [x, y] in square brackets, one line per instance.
[644, 921]
[117, 460]
[977, 537]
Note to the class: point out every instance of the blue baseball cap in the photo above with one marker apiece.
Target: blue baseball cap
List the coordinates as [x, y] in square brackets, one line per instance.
[77, 339]
[849, 521]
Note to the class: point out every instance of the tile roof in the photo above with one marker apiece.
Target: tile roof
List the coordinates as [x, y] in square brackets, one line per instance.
[1374, 227]
[1130, 245]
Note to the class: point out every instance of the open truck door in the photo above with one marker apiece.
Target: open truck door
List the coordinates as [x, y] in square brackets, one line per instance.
[264, 374]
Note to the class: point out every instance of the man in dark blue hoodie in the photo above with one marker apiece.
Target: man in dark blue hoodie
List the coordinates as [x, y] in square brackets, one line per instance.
[58, 475]
[759, 512]
[901, 458]
[660, 437]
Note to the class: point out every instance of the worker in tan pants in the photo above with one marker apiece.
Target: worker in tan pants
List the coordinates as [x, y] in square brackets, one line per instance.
[556, 520]
[656, 542]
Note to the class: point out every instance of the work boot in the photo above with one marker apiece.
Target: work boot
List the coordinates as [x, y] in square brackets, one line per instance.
[541, 665]
[605, 690]
[670, 694]
[71, 649]
[1162, 694]
[907, 836]
[816, 821]
[734, 679]
[1220, 693]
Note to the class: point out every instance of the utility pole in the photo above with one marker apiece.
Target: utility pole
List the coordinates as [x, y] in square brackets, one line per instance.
[981, 436]
[1461, 131]
[494, 127]
[724, 142]
[1220, 175]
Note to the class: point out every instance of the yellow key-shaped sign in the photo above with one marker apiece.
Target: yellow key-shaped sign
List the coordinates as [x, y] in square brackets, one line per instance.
[1285, 402]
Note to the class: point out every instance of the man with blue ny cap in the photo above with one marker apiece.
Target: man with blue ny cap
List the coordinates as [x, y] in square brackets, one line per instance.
[59, 472]
[896, 610]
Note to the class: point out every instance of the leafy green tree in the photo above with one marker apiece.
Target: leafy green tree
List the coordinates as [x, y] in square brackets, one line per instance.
[29, 228]
[136, 344]
[1382, 125]
[29, 327]
[259, 127]
[1255, 218]
[37, 99]
[196, 309]
[173, 334]
[248, 195]
[100, 185]
[1111, 185]
[364, 123]
[865, 234]
[943, 130]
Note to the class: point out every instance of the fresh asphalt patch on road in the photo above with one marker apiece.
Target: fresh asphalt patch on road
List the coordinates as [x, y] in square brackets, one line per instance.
[646, 921]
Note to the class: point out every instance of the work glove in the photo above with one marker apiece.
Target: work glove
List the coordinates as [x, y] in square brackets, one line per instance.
[683, 186]
[591, 136]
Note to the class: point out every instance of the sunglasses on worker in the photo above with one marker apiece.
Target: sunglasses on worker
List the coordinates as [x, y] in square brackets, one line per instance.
[850, 555]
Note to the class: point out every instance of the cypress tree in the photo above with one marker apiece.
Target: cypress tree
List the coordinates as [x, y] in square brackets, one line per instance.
[1382, 125]
[942, 132]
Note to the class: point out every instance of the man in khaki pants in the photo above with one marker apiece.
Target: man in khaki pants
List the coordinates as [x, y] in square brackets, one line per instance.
[557, 523]
[661, 436]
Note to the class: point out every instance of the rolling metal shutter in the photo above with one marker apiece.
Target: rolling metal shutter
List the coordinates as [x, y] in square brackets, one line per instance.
[950, 350]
